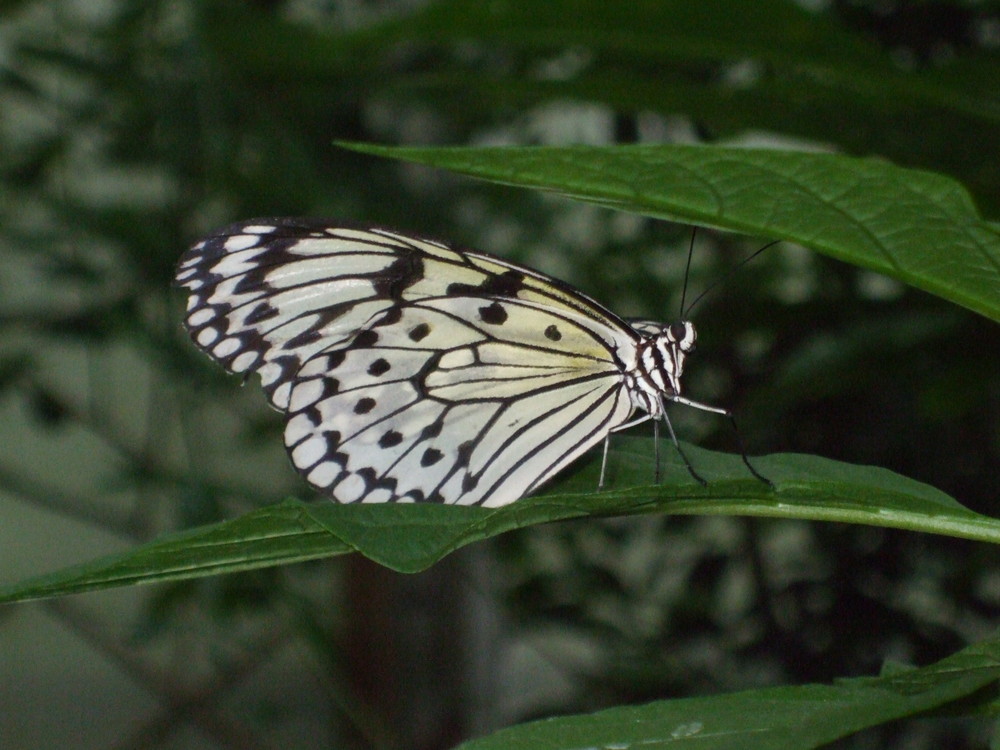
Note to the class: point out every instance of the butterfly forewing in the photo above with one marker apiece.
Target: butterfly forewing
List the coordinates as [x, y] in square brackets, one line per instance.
[409, 370]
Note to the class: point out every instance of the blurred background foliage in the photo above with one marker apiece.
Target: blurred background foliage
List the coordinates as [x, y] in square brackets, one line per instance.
[129, 128]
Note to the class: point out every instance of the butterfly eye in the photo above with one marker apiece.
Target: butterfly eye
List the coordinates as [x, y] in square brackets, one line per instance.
[683, 333]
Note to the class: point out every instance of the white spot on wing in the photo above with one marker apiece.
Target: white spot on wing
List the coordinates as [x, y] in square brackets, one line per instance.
[308, 452]
[324, 475]
[243, 362]
[281, 394]
[226, 347]
[350, 490]
[204, 315]
[297, 428]
[207, 337]
[240, 242]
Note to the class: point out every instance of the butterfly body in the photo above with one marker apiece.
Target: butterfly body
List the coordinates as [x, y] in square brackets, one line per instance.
[409, 370]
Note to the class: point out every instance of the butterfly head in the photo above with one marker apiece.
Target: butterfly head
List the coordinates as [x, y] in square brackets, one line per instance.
[674, 343]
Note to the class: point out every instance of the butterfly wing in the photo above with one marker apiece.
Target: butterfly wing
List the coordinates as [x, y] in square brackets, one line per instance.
[409, 370]
[433, 403]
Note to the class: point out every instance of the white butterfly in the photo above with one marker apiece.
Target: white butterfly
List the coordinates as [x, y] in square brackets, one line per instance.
[409, 370]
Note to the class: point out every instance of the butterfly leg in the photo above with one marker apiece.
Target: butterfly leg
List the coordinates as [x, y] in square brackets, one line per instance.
[683, 455]
[656, 450]
[607, 442]
[743, 455]
[732, 420]
[604, 461]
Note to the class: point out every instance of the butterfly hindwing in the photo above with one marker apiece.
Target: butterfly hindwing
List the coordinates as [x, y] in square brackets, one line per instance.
[434, 403]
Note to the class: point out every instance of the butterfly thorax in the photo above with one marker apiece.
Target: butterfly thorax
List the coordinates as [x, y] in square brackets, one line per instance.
[659, 364]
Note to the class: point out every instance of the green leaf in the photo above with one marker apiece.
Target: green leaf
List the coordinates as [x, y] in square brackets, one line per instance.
[410, 538]
[918, 227]
[277, 534]
[784, 718]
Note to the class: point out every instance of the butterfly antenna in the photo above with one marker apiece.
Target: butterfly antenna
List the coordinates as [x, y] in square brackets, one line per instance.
[723, 280]
[687, 271]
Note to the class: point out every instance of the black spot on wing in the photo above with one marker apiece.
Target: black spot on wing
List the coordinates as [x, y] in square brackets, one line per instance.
[379, 367]
[552, 333]
[335, 359]
[390, 439]
[493, 314]
[430, 457]
[459, 289]
[506, 284]
[364, 340]
[419, 332]
[432, 430]
[464, 453]
[364, 405]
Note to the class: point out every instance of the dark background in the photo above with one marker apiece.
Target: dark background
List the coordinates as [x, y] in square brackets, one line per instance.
[128, 129]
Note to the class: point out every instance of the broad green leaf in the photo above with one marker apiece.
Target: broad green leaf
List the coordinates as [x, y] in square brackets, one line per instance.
[918, 227]
[875, 121]
[410, 538]
[783, 718]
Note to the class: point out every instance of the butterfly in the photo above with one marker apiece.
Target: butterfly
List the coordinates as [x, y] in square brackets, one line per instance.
[411, 370]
